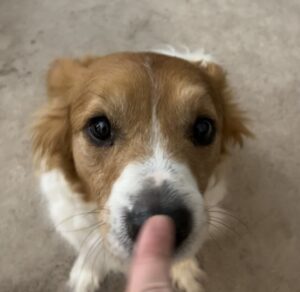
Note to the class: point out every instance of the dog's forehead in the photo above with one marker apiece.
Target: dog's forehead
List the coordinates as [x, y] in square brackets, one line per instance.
[133, 83]
[146, 75]
[157, 67]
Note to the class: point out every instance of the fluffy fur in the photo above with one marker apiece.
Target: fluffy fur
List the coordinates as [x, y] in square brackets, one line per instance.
[150, 99]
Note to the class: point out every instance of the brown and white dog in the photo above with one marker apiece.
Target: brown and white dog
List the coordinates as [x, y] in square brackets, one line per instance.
[127, 136]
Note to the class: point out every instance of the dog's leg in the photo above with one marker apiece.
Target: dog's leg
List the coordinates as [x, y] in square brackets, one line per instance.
[90, 267]
[188, 276]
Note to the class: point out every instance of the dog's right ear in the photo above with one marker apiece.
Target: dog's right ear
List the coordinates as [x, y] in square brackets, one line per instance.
[63, 75]
[235, 124]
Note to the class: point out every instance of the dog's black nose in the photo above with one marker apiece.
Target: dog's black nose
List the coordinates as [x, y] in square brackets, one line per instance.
[159, 201]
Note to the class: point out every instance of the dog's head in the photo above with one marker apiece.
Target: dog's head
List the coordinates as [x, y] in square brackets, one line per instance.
[139, 134]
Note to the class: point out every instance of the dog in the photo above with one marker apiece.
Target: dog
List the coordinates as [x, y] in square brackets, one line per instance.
[127, 136]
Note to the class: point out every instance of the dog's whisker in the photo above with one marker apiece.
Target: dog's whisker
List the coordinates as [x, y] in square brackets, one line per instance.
[217, 227]
[98, 224]
[225, 211]
[90, 252]
[94, 262]
[218, 207]
[77, 215]
[234, 217]
[91, 212]
[95, 228]
[229, 228]
[95, 249]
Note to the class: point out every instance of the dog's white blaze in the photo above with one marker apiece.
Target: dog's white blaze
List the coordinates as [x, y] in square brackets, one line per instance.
[159, 163]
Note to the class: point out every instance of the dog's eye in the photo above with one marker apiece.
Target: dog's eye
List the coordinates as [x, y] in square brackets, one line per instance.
[204, 131]
[99, 131]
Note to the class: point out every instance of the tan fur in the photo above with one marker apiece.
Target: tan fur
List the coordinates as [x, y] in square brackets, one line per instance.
[234, 121]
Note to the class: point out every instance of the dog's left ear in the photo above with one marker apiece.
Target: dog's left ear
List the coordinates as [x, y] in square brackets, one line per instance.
[51, 131]
[235, 127]
[63, 75]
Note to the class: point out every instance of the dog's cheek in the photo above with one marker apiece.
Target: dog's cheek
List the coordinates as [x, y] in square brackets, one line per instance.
[87, 166]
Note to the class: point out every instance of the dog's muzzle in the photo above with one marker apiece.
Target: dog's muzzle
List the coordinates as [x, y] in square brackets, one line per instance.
[159, 200]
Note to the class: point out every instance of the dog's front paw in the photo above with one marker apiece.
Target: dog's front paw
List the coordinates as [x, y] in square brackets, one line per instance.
[84, 279]
[187, 276]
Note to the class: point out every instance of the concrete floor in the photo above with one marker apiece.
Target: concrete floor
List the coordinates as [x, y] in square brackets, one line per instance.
[257, 41]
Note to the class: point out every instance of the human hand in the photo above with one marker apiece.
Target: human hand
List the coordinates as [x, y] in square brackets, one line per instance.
[150, 269]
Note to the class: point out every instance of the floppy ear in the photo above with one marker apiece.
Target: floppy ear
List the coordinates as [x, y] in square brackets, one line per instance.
[234, 121]
[51, 131]
[63, 75]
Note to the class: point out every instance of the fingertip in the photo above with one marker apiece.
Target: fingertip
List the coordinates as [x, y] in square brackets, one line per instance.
[156, 237]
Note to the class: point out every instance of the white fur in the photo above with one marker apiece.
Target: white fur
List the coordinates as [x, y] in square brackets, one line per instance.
[72, 219]
[67, 210]
[187, 54]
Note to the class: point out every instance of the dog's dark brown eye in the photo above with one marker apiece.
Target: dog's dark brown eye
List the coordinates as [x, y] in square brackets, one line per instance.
[204, 131]
[99, 131]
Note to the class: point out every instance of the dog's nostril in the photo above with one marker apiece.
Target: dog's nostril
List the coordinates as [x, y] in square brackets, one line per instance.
[183, 224]
[180, 215]
[134, 222]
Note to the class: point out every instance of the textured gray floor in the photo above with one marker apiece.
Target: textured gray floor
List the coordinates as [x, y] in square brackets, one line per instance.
[257, 41]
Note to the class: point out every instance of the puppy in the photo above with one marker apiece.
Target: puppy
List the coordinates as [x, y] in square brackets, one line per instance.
[127, 136]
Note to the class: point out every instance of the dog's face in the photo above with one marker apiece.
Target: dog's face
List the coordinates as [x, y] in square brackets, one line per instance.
[140, 134]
